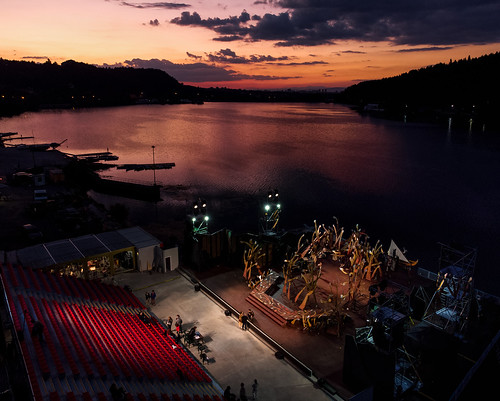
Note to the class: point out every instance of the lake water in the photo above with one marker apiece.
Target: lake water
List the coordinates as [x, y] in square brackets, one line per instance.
[418, 184]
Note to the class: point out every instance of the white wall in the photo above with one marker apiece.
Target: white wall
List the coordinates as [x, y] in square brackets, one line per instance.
[145, 258]
[173, 254]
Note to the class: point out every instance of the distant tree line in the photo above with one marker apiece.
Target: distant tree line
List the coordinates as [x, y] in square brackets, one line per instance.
[32, 86]
[467, 88]
[29, 85]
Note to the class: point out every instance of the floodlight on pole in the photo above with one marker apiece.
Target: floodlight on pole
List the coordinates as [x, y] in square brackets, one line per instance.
[272, 209]
[199, 217]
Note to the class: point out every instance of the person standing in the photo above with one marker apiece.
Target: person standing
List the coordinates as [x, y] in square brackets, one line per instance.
[240, 320]
[244, 322]
[148, 298]
[178, 324]
[243, 393]
[255, 386]
[227, 393]
[153, 297]
[169, 325]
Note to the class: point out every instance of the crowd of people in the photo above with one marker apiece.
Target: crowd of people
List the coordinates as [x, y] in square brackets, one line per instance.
[191, 337]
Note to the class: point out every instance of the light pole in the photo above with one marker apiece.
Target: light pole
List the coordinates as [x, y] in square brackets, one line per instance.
[154, 166]
[200, 217]
[272, 210]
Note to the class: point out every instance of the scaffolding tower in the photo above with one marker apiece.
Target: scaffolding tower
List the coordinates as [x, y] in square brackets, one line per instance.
[449, 307]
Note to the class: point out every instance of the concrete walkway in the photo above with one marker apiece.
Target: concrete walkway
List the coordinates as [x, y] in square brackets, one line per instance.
[235, 356]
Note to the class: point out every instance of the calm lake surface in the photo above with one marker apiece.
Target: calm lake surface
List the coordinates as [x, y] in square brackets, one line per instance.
[415, 183]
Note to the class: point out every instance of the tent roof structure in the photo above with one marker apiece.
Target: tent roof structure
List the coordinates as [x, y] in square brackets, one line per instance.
[86, 246]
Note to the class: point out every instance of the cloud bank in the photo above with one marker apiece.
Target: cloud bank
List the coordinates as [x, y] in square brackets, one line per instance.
[318, 22]
[198, 71]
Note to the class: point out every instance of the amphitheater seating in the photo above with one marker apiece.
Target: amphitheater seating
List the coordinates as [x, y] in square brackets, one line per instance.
[92, 338]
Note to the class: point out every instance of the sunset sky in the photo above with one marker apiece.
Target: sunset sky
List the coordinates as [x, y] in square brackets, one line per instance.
[253, 44]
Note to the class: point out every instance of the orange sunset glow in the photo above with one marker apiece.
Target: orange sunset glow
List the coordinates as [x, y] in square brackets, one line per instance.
[263, 44]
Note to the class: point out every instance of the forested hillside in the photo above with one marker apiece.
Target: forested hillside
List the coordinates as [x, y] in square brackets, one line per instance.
[28, 85]
[466, 88]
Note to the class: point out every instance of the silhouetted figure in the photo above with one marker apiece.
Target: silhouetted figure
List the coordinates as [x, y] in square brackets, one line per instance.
[255, 386]
[227, 393]
[191, 334]
[118, 394]
[244, 322]
[37, 330]
[243, 393]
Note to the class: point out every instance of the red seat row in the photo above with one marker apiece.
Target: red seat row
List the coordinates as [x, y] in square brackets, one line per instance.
[48, 339]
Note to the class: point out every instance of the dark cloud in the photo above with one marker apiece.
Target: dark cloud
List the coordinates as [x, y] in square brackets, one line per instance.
[216, 24]
[190, 55]
[228, 56]
[316, 22]
[352, 52]
[425, 49]
[169, 6]
[303, 63]
[231, 38]
[196, 72]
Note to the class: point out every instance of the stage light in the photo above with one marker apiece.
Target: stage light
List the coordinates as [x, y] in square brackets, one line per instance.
[267, 207]
[193, 219]
[206, 218]
[278, 206]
